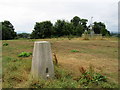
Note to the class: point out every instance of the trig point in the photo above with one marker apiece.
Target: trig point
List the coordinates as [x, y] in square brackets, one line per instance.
[42, 63]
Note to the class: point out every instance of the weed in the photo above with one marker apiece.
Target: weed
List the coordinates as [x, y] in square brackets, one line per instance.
[24, 54]
[82, 70]
[5, 44]
[90, 76]
[74, 51]
[55, 59]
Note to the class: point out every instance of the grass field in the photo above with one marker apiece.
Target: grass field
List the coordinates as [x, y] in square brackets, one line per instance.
[72, 54]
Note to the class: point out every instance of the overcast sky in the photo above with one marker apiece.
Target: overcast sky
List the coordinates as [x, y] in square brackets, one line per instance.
[24, 13]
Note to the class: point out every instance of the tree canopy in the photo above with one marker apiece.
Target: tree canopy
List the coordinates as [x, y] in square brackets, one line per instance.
[8, 31]
[75, 21]
[45, 29]
[100, 28]
[42, 30]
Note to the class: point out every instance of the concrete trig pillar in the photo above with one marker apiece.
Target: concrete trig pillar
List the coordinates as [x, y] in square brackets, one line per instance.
[42, 63]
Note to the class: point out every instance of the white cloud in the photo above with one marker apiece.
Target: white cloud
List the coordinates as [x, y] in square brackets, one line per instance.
[24, 13]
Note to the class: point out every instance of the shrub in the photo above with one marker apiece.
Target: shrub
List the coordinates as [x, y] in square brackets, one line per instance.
[5, 44]
[24, 54]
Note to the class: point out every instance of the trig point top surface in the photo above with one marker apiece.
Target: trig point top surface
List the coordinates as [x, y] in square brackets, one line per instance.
[41, 42]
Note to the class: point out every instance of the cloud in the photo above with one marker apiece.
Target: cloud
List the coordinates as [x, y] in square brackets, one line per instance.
[24, 13]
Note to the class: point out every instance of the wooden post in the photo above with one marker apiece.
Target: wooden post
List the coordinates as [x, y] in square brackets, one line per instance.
[42, 63]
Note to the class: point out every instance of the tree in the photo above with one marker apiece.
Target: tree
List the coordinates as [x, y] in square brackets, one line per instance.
[8, 31]
[100, 28]
[79, 30]
[75, 27]
[68, 28]
[84, 23]
[63, 28]
[79, 25]
[58, 27]
[42, 30]
[75, 21]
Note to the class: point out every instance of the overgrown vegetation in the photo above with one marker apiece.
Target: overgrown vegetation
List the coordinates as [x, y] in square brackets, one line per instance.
[65, 79]
[90, 76]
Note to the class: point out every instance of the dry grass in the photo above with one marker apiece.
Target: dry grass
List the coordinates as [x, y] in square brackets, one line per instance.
[102, 54]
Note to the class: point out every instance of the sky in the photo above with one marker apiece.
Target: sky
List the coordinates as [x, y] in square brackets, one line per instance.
[23, 14]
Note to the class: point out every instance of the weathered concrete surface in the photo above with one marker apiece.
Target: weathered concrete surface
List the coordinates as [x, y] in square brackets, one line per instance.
[42, 63]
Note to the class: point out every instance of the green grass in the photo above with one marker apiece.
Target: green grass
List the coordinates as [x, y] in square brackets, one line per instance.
[102, 54]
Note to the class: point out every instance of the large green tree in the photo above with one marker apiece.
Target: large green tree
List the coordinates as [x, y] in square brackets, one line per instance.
[42, 30]
[58, 27]
[75, 21]
[62, 28]
[8, 31]
[80, 25]
[79, 30]
[100, 28]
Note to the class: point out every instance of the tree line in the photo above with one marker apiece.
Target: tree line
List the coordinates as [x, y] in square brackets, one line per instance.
[45, 29]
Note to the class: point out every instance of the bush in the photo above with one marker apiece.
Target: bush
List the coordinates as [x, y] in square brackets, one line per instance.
[24, 54]
[5, 44]
[74, 51]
